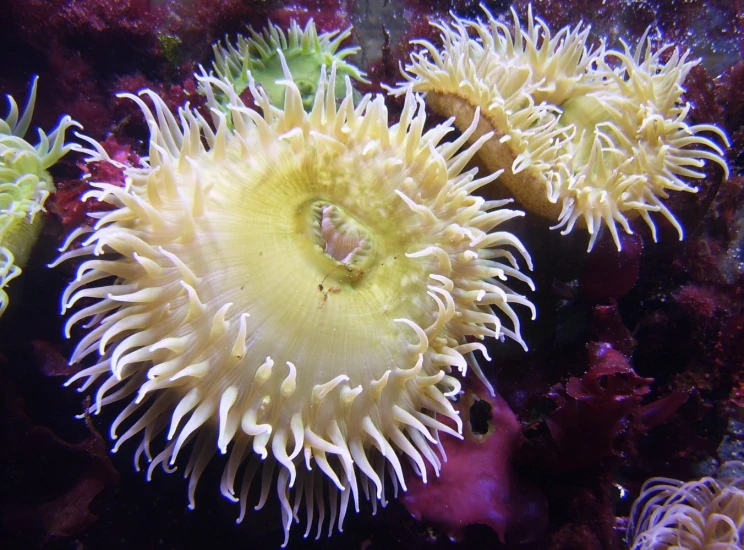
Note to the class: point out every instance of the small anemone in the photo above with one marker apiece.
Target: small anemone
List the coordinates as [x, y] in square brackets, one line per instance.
[593, 136]
[25, 185]
[705, 514]
[294, 290]
[305, 52]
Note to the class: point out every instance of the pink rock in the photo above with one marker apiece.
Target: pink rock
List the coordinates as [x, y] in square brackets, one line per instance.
[478, 484]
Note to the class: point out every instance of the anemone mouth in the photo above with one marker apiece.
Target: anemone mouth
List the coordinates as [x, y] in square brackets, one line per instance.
[297, 293]
[341, 238]
[582, 139]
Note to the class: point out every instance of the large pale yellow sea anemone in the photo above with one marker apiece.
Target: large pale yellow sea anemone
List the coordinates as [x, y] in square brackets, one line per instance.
[297, 293]
[594, 136]
[705, 514]
[25, 185]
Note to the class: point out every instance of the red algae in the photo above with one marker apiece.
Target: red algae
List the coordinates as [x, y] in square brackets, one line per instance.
[594, 415]
[67, 203]
[73, 73]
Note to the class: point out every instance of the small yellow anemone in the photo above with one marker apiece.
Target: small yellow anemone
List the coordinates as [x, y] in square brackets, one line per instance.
[304, 51]
[580, 139]
[293, 292]
[705, 514]
[25, 185]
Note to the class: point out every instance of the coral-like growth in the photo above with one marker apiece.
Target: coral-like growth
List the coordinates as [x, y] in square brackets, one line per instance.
[25, 185]
[705, 514]
[585, 135]
[294, 292]
[305, 52]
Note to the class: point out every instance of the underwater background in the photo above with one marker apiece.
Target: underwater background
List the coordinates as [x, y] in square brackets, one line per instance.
[635, 366]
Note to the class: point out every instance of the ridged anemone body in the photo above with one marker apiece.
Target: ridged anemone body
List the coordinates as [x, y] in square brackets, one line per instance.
[25, 185]
[293, 290]
[304, 51]
[594, 136]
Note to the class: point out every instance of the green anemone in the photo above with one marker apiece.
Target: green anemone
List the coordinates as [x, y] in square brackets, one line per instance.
[305, 52]
[25, 185]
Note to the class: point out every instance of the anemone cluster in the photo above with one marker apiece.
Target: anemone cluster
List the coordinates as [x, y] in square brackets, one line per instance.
[25, 185]
[704, 514]
[589, 135]
[295, 281]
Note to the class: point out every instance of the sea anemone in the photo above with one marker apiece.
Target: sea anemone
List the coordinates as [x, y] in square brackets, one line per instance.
[294, 291]
[304, 51]
[705, 514]
[585, 135]
[25, 185]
